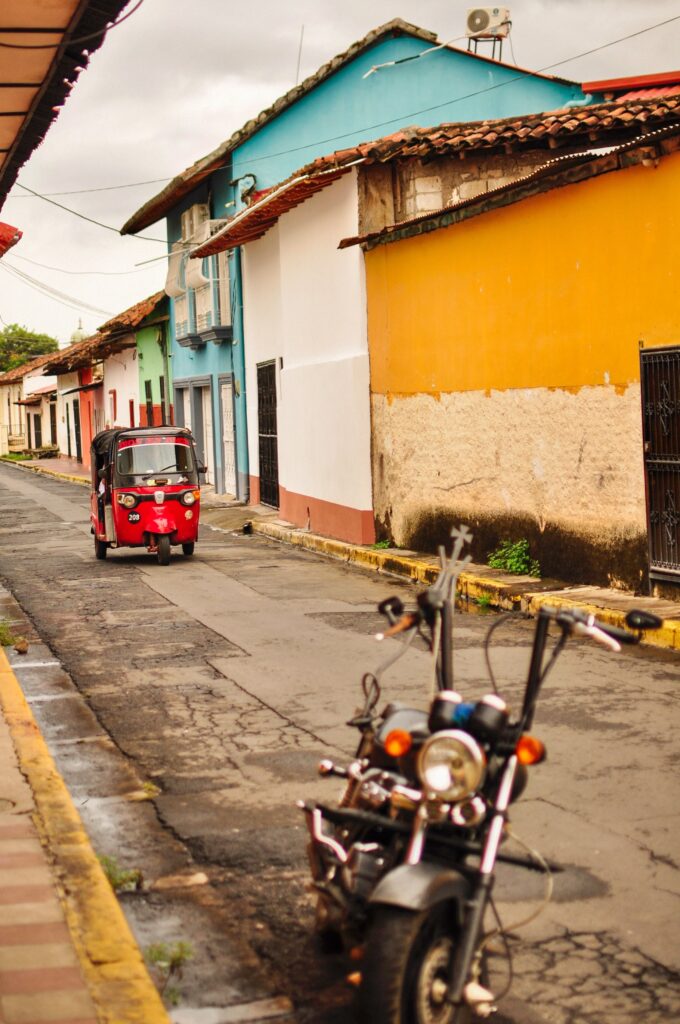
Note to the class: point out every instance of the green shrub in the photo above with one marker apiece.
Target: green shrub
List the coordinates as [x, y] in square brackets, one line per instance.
[514, 557]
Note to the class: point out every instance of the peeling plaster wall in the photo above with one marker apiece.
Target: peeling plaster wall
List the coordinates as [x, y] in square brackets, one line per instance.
[534, 457]
[505, 372]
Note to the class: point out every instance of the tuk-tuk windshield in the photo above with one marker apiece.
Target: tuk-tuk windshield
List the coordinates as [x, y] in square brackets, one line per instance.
[149, 460]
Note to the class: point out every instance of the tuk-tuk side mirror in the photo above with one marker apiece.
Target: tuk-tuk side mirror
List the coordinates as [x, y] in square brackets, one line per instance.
[202, 469]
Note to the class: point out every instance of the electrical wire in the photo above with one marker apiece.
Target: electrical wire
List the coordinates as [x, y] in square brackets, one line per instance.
[88, 191]
[78, 273]
[466, 96]
[365, 128]
[487, 641]
[90, 220]
[73, 42]
[52, 293]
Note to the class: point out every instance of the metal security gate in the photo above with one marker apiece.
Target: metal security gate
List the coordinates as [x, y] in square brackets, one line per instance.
[268, 445]
[660, 376]
[228, 445]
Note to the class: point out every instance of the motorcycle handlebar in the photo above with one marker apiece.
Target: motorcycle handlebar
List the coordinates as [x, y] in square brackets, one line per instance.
[587, 625]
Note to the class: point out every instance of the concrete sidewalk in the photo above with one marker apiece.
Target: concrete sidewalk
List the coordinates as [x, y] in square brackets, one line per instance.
[67, 955]
[479, 585]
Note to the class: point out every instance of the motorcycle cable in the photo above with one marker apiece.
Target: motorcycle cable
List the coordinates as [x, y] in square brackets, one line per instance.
[487, 641]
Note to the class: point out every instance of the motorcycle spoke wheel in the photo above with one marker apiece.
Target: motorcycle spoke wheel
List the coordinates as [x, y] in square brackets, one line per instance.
[405, 969]
[164, 550]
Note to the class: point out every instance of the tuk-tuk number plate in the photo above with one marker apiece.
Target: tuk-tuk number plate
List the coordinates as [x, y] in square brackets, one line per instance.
[134, 517]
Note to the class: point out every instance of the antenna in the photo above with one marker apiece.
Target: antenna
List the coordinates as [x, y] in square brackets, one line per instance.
[297, 72]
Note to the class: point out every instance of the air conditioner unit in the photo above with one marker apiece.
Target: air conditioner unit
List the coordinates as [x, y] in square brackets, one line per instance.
[488, 22]
[192, 220]
[205, 229]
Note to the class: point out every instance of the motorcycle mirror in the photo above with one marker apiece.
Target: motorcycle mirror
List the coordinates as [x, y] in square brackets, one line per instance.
[101, 473]
[639, 619]
[391, 606]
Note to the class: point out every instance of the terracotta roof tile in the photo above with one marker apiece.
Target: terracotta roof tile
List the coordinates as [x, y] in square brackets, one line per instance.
[603, 124]
[19, 372]
[189, 179]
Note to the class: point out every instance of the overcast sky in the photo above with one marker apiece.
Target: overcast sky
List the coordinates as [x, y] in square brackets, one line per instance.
[177, 78]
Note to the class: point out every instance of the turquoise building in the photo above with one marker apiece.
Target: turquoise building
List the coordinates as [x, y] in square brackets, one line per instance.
[397, 75]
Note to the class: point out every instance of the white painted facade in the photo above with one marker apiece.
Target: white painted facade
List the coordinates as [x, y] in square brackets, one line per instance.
[121, 386]
[305, 309]
[65, 381]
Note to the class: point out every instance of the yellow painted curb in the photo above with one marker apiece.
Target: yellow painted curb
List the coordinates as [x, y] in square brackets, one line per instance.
[48, 472]
[111, 961]
[420, 569]
[668, 636]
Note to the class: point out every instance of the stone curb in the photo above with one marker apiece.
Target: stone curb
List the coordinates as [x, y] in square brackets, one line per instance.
[421, 569]
[110, 959]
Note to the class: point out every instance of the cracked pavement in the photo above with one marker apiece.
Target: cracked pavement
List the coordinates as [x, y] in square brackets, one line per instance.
[224, 678]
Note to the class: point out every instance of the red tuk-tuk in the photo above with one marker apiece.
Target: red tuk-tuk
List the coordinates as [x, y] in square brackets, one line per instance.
[145, 490]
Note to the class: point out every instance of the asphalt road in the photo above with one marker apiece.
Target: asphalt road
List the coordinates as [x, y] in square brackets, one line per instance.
[191, 705]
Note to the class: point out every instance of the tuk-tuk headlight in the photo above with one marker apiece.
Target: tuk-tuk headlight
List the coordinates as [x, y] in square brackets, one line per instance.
[451, 765]
[128, 500]
[188, 498]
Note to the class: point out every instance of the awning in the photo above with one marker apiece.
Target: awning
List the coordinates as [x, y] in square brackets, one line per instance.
[9, 236]
[83, 387]
[31, 400]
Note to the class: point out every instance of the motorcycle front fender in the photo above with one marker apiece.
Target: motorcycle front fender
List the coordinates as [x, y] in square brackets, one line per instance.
[419, 887]
[160, 524]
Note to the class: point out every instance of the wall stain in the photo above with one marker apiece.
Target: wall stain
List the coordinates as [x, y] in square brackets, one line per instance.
[612, 559]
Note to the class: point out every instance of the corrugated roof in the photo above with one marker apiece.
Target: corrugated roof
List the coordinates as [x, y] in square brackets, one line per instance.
[632, 82]
[657, 92]
[189, 179]
[37, 83]
[578, 126]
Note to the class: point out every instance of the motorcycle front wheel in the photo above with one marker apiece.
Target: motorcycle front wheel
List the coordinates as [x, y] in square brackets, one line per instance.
[404, 977]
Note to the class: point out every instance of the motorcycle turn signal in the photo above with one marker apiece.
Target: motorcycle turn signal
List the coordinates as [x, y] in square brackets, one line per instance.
[530, 750]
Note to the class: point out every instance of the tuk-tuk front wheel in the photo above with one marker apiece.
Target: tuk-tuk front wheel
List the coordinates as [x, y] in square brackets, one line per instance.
[164, 550]
[100, 548]
[188, 549]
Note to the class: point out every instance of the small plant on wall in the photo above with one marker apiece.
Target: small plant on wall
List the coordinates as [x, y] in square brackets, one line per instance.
[514, 557]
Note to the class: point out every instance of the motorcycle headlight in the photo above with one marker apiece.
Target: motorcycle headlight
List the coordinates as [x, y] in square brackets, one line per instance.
[188, 498]
[451, 765]
[128, 500]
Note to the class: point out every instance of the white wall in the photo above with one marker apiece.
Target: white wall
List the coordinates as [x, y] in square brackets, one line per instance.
[120, 374]
[305, 302]
[64, 382]
[34, 382]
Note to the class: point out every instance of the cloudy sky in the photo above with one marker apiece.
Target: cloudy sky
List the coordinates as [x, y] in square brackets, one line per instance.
[177, 78]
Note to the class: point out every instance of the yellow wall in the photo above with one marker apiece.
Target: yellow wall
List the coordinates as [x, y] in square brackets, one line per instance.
[554, 291]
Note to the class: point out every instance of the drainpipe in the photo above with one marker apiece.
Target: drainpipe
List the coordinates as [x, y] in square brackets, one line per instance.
[239, 365]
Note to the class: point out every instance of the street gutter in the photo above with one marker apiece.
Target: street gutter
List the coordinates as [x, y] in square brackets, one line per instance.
[110, 959]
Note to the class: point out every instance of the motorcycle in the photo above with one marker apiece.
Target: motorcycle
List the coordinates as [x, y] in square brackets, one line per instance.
[404, 864]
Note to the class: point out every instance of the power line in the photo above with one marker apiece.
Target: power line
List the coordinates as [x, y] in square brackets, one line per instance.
[73, 42]
[366, 128]
[77, 273]
[466, 96]
[103, 188]
[51, 293]
[90, 220]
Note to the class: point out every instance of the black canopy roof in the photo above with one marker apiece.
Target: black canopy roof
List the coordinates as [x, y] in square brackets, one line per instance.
[104, 441]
